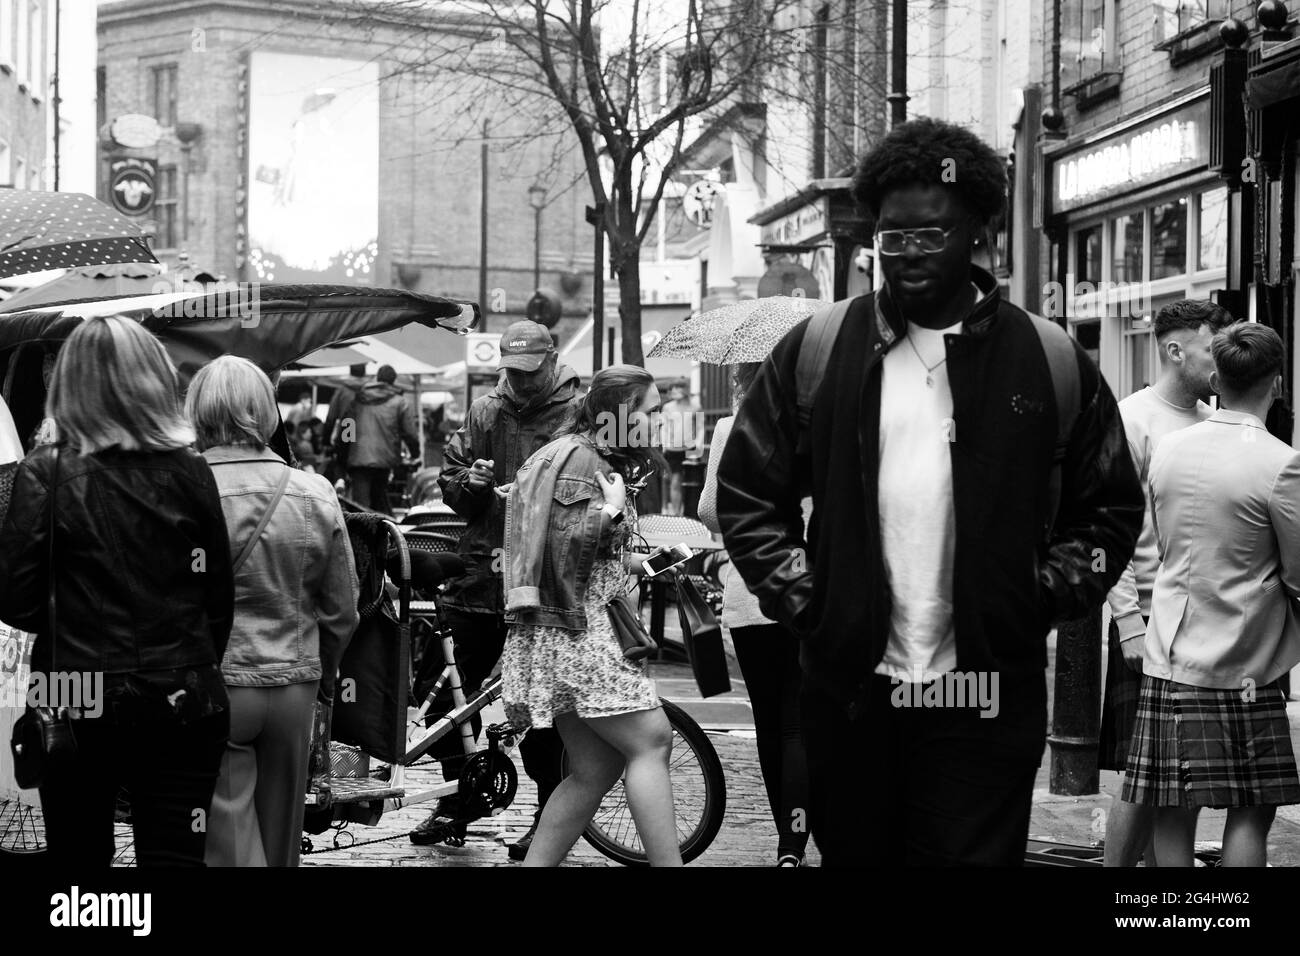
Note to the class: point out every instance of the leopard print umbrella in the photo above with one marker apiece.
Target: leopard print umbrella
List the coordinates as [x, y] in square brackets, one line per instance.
[743, 331]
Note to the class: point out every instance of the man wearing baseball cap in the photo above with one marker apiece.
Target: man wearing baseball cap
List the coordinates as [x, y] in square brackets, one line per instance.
[534, 399]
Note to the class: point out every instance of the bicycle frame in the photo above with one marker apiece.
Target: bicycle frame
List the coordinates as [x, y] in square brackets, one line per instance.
[420, 739]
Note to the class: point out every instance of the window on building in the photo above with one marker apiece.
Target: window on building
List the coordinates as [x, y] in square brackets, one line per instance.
[35, 49]
[1141, 364]
[1088, 335]
[20, 173]
[1173, 17]
[1169, 239]
[1087, 255]
[163, 80]
[1126, 248]
[21, 63]
[165, 204]
[7, 34]
[101, 91]
[1088, 44]
[33, 175]
[1212, 229]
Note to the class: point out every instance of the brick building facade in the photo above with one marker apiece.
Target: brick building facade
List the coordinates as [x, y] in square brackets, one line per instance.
[24, 93]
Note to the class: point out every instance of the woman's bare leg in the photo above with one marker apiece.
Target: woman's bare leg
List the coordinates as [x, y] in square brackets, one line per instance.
[645, 739]
[594, 767]
[1245, 836]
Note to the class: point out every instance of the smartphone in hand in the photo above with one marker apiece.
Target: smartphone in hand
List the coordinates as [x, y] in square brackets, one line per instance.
[663, 559]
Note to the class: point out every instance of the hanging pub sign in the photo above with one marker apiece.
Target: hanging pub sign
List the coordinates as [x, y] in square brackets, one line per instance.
[699, 201]
[132, 184]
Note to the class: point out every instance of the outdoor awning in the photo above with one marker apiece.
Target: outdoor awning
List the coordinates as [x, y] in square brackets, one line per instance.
[288, 322]
[1271, 83]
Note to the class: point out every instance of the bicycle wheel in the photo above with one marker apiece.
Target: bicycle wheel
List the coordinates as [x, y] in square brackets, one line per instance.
[22, 828]
[699, 799]
[123, 832]
[22, 831]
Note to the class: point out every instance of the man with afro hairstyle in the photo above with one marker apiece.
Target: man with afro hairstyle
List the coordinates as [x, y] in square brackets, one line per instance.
[927, 584]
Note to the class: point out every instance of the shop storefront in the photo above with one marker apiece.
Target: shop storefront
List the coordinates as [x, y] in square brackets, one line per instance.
[1272, 96]
[821, 230]
[1137, 219]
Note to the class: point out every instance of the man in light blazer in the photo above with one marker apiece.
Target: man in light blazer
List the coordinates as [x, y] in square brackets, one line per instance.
[1225, 505]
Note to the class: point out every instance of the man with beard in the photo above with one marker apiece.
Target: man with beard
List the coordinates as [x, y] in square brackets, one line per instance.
[931, 453]
[1183, 331]
[530, 405]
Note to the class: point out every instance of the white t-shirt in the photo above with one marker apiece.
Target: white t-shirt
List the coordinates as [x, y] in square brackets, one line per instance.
[917, 523]
[11, 446]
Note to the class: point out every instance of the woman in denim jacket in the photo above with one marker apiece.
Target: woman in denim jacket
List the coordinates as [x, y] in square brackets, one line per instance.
[566, 557]
[295, 611]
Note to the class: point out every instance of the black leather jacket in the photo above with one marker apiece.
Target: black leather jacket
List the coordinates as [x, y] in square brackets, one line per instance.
[1008, 584]
[141, 560]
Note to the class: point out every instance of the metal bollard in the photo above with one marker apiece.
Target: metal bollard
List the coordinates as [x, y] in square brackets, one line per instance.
[1076, 707]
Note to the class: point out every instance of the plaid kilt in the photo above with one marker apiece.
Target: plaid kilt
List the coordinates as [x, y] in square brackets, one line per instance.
[1119, 707]
[1198, 747]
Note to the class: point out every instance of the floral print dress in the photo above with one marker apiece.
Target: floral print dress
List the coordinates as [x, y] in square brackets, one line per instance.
[552, 670]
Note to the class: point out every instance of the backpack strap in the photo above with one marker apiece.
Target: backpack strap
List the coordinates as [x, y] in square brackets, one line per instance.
[1063, 364]
[814, 355]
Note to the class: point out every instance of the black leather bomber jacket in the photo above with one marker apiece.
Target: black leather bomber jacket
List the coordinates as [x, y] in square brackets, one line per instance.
[1009, 584]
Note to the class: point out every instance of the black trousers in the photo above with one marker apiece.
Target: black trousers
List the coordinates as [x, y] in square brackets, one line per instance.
[769, 661]
[169, 770]
[370, 488]
[923, 786]
[480, 639]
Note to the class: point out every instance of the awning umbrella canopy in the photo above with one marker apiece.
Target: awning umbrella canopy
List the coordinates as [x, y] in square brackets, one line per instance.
[98, 282]
[42, 230]
[745, 331]
[272, 325]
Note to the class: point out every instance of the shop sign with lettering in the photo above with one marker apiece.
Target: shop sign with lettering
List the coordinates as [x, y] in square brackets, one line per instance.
[1158, 149]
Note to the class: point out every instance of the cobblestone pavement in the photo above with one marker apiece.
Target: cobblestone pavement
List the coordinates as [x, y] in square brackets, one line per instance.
[747, 838]
[748, 835]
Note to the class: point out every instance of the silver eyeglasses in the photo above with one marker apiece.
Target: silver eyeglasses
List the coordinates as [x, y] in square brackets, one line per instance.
[930, 239]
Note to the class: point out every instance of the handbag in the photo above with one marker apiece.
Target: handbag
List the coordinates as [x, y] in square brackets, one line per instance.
[42, 737]
[702, 635]
[631, 633]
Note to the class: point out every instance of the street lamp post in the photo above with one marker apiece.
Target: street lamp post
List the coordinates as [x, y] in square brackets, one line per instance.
[537, 199]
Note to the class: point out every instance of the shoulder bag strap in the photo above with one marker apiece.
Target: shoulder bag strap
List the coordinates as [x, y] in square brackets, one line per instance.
[266, 518]
[53, 578]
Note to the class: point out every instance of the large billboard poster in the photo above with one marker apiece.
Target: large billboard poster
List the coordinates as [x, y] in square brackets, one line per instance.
[313, 163]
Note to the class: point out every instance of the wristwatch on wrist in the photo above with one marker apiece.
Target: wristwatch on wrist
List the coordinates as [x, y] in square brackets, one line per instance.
[615, 515]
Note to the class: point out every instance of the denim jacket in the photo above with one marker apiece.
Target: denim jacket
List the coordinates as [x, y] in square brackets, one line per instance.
[553, 533]
[296, 595]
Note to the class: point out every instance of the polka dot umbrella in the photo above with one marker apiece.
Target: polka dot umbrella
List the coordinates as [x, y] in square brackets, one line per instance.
[41, 230]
